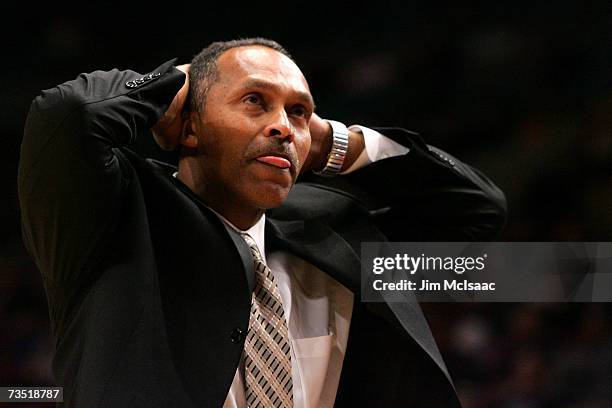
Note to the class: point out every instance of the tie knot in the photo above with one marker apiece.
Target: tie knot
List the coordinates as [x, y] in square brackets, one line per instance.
[252, 246]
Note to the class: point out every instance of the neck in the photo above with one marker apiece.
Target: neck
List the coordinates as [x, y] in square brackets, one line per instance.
[216, 197]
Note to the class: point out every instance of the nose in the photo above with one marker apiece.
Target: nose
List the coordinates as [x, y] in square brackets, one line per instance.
[281, 128]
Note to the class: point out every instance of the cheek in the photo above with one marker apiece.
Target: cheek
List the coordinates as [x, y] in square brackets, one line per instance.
[302, 146]
[225, 141]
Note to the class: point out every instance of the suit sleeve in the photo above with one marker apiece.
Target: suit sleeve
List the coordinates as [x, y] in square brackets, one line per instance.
[425, 194]
[70, 178]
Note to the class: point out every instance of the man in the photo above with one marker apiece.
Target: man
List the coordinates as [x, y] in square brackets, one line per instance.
[221, 283]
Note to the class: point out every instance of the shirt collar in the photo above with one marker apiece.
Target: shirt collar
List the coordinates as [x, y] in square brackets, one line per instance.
[257, 232]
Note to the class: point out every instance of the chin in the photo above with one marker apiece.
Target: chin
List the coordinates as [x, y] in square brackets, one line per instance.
[270, 196]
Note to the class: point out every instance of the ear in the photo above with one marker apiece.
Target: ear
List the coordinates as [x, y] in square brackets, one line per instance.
[189, 137]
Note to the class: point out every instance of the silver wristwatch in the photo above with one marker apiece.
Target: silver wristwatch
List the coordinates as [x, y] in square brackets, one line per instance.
[338, 151]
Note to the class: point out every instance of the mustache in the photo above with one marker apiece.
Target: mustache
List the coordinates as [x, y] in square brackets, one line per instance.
[275, 147]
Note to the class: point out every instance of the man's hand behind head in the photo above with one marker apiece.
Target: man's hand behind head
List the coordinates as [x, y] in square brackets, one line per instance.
[167, 131]
[320, 145]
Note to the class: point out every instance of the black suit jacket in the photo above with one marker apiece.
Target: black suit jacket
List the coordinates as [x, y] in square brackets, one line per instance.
[149, 293]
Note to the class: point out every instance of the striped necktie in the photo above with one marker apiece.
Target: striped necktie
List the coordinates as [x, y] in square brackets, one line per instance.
[267, 358]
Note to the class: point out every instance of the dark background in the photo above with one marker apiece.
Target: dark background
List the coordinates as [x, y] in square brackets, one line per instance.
[521, 90]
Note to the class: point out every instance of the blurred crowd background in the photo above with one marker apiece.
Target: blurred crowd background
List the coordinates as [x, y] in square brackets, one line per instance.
[521, 90]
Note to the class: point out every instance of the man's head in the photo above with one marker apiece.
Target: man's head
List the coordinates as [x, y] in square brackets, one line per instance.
[246, 135]
[204, 71]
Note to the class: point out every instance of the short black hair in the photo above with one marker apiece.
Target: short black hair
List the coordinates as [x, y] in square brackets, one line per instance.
[203, 70]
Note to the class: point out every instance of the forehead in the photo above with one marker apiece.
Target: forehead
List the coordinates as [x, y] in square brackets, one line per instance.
[239, 65]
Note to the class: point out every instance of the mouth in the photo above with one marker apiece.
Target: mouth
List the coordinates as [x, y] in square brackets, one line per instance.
[279, 161]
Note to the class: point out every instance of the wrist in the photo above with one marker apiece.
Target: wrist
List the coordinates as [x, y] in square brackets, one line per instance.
[335, 147]
[355, 148]
[326, 146]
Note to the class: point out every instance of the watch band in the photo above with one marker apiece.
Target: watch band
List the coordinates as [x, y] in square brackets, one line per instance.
[338, 151]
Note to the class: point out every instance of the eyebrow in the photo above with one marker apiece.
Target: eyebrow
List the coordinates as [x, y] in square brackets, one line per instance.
[261, 84]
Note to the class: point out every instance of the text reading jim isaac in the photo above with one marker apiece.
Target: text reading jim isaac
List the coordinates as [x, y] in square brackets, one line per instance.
[221, 283]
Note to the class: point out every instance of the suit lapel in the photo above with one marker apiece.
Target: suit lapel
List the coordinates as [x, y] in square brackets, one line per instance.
[245, 256]
[318, 244]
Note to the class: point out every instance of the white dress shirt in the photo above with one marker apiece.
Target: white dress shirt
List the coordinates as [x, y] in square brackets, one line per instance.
[317, 308]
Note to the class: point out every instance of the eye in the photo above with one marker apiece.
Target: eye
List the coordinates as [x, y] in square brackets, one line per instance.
[299, 110]
[253, 99]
